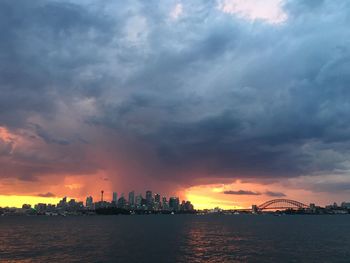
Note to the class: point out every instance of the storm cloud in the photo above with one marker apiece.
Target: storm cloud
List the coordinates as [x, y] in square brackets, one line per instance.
[137, 90]
[241, 192]
[48, 194]
[274, 194]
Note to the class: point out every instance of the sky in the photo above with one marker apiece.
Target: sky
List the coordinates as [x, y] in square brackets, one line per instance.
[226, 103]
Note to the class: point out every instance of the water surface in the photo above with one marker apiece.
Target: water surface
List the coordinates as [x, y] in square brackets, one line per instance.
[175, 238]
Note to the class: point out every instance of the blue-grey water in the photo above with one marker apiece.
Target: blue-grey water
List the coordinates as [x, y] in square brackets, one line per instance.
[175, 238]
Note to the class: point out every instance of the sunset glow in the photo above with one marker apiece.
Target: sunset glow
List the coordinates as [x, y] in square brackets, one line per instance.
[224, 103]
[19, 200]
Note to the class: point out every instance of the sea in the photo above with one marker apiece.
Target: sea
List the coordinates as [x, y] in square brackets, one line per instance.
[176, 238]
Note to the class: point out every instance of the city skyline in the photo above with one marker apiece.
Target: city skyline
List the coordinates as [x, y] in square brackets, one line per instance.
[225, 102]
[133, 200]
[154, 203]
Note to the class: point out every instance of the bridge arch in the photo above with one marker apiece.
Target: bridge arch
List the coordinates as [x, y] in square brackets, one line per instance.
[281, 204]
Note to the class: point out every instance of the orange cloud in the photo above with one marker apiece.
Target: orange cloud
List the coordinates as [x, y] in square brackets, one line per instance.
[5, 135]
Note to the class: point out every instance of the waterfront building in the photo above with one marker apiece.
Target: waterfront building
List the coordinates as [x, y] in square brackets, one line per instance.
[62, 203]
[122, 202]
[102, 204]
[157, 198]
[51, 208]
[157, 204]
[345, 205]
[26, 206]
[132, 199]
[138, 201]
[89, 203]
[114, 199]
[165, 204]
[174, 203]
[40, 208]
[149, 200]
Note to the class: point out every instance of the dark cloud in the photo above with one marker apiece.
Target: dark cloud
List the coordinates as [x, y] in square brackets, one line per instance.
[274, 194]
[241, 192]
[208, 94]
[331, 187]
[47, 137]
[48, 194]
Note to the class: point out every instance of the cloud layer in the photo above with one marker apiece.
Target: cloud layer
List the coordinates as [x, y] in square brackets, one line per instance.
[173, 92]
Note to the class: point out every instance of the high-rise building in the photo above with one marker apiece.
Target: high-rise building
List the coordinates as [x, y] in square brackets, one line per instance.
[122, 202]
[62, 203]
[165, 205]
[149, 200]
[89, 202]
[157, 198]
[132, 199]
[174, 203]
[115, 198]
[157, 204]
[138, 201]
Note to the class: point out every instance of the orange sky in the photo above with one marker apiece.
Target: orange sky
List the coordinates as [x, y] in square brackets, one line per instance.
[203, 194]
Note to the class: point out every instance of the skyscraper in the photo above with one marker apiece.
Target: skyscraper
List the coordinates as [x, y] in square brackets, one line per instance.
[157, 204]
[157, 198]
[63, 202]
[115, 198]
[138, 201]
[122, 202]
[165, 205]
[174, 203]
[132, 199]
[149, 200]
[89, 202]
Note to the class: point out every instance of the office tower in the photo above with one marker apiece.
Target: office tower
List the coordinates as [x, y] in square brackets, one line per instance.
[62, 203]
[174, 203]
[149, 200]
[132, 199]
[165, 205]
[157, 204]
[138, 201]
[122, 202]
[157, 198]
[115, 198]
[89, 202]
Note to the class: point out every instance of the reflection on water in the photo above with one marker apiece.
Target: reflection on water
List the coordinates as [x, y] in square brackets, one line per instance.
[213, 243]
[179, 238]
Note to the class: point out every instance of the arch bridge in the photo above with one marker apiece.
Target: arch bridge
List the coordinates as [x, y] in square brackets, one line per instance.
[277, 204]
